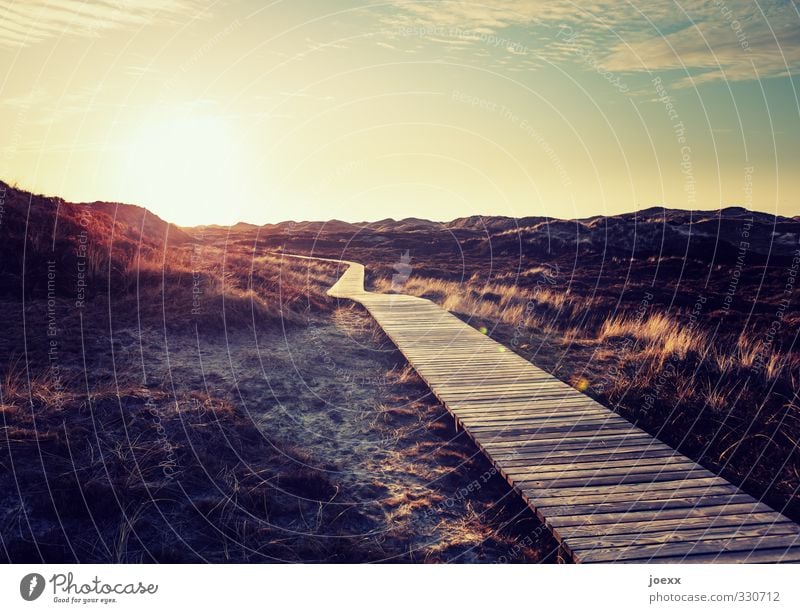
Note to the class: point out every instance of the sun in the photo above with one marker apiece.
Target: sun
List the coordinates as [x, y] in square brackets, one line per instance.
[186, 168]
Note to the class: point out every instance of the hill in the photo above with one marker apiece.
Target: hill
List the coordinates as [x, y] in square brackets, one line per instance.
[56, 243]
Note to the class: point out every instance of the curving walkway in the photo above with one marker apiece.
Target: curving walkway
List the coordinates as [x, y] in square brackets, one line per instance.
[607, 490]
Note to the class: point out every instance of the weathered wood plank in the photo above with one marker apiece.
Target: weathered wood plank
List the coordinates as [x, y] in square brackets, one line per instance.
[545, 470]
[551, 495]
[750, 533]
[609, 491]
[709, 513]
[638, 504]
[503, 447]
[757, 556]
[624, 454]
[630, 478]
[679, 523]
[648, 552]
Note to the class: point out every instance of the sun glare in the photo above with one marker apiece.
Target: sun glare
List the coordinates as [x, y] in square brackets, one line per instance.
[186, 169]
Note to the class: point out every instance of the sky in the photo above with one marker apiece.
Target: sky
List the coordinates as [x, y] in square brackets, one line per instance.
[259, 111]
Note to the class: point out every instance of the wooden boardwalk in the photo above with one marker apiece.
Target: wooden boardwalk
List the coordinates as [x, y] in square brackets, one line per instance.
[607, 490]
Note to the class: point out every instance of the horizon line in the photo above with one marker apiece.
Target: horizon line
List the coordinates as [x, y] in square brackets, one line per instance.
[15, 186]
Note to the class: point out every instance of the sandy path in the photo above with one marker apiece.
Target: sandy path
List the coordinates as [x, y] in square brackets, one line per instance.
[338, 392]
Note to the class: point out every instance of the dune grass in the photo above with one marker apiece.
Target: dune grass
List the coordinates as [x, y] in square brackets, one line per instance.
[728, 400]
[136, 475]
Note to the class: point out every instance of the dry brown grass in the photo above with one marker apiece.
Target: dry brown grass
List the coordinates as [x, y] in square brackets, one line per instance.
[658, 335]
[728, 401]
[220, 286]
[496, 302]
[135, 475]
[237, 495]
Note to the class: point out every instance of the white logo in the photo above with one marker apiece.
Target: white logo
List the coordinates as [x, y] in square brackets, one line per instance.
[403, 268]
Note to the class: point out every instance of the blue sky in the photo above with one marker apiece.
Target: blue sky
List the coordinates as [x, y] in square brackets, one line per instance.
[224, 111]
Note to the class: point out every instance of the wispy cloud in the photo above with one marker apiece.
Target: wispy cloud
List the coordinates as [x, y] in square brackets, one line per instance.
[49, 109]
[754, 50]
[716, 39]
[31, 21]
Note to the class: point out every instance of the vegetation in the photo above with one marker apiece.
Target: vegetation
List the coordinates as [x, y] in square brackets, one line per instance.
[168, 396]
[727, 400]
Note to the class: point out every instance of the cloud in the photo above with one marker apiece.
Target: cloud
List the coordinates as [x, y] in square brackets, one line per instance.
[751, 51]
[32, 97]
[712, 40]
[493, 15]
[29, 22]
[47, 109]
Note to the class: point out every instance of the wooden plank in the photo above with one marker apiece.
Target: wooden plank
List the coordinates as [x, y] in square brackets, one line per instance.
[648, 552]
[501, 441]
[540, 427]
[543, 414]
[608, 490]
[526, 443]
[586, 451]
[559, 469]
[679, 523]
[657, 475]
[645, 491]
[498, 432]
[501, 417]
[710, 513]
[529, 418]
[624, 454]
[640, 504]
[591, 468]
[541, 411]
[758, 556]
[546, 500]
[689, 535]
